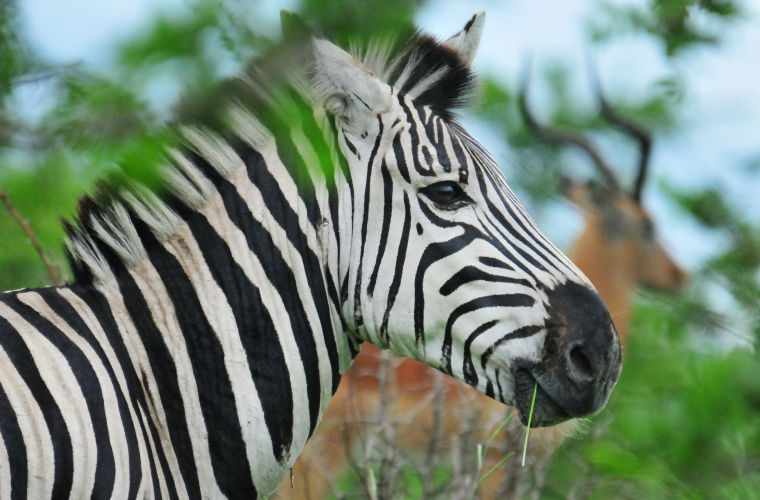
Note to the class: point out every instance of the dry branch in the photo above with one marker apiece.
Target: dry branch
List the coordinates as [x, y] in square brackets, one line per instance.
[32, 238]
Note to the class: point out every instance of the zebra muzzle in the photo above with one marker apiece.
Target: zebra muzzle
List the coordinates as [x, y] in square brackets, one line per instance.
[580, 363]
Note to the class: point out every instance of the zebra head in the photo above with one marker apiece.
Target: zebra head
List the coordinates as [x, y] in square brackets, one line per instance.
[443, 264]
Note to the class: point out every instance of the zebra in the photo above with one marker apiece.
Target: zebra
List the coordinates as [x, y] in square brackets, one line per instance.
[337, 202]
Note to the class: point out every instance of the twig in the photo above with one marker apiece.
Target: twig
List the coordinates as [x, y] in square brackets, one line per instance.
[482, 456]
[434, 445]
[32, 238]
[45, 74]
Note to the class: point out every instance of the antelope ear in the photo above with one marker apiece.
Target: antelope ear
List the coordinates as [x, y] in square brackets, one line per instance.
[579, 194]
[590, 195]
[465, 43]
[347, 88]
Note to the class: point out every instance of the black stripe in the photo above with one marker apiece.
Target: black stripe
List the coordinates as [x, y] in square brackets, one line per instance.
[432, 254]
[342, 162]
[344, 289]
[508, 252]
[398, 153]
[66, 311]
[520, 333]
[510, 301]
[291, 159]
[470, 376]
[217, 400]
[316, 138]
[489, 389]
[491, 262]
[157, 447]
[13, 439]
[287, 218]
[22, 360]
[469, 274]
[280, 273]
[435, 130]
[105, 473]
[494, 211]
[498, 385]
[387, 214]
[166, 376]
[415, 136]
[351, 146]
[513, 209]
[99, 306]
[398, 272]
[439, 221]
[358, 319]
[258, 333]
[459, 153]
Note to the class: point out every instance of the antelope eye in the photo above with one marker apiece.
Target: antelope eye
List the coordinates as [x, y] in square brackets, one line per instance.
[444, 193]
[647, 229]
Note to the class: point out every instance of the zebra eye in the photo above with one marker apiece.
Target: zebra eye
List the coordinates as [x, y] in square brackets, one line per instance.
[444, 193]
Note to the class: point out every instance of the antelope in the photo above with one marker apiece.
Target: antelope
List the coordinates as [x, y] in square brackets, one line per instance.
[618, 251]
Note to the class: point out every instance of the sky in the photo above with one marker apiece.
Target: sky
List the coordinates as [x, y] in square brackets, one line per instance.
[719, 135]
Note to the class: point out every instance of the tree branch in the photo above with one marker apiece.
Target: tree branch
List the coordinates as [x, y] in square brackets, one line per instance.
[32, 238]
[44, 74]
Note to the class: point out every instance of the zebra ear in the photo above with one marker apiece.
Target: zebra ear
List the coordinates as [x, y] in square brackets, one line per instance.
[347, 88]
[465, 43]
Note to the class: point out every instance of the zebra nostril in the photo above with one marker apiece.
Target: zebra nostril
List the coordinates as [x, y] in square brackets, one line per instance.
[579, 363]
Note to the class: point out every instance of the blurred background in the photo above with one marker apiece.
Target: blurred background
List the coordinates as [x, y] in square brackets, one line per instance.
[87, 87]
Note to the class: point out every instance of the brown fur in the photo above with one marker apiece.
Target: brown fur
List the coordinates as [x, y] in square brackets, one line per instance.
[618, 251]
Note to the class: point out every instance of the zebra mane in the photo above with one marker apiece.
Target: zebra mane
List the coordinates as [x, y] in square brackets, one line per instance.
[118, 224]
[424, 69]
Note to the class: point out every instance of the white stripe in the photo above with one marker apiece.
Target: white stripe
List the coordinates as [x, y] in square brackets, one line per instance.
[271, 299]
[141, 365]
[5, 469]
[149, 487]
[222, 319]
[122, 456]
[288, 187]
[254, 200]
[59, 378]
[449, 146]
[149, 281]
[39, 447]
[116, 434]
[89, 318]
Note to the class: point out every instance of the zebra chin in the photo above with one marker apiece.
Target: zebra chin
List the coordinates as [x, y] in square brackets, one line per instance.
[556, 400]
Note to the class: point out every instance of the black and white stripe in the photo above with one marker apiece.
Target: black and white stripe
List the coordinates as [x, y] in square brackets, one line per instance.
[206, 331]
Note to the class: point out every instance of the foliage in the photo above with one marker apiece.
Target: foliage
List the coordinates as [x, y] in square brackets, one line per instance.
[539, 167]
[680, 25]
[682, 423]
[737, 268]
[683, 420]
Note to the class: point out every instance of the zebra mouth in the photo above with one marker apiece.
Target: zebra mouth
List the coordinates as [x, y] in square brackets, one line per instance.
[546, 411]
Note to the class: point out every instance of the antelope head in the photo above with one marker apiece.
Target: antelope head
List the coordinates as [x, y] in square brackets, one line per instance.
[618, 249]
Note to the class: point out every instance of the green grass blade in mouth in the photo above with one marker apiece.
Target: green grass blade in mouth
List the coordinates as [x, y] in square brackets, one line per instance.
[530, 418]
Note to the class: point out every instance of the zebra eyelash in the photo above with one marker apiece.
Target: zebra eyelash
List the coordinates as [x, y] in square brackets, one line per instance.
[432, 193]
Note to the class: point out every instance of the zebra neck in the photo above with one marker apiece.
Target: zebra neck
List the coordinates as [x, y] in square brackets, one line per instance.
[234, 302]
[306, 184]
